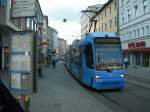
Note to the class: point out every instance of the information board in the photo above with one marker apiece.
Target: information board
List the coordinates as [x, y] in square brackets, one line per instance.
[21, 59]
[23, 8]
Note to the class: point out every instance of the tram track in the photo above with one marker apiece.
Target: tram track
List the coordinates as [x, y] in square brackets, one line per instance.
[138, 78]
[126, 100]
[138, 85]
[121, 101]
[101, 97]
[117, 100]
[139, 96]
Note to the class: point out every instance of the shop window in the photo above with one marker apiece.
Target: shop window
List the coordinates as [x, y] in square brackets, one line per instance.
[138, 62]
[146, 59]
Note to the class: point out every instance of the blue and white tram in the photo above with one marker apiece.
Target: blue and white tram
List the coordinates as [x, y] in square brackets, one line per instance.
[97, 61]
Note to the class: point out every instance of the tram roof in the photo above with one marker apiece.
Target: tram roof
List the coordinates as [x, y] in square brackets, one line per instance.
[90, 36]
[100, 34]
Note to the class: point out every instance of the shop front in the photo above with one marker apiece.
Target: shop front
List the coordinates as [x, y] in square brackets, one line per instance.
[138, 54]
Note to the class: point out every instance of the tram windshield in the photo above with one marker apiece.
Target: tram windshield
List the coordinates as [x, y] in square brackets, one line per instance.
[108, 56]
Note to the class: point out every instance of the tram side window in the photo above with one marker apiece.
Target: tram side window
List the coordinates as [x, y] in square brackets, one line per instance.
[89, 56]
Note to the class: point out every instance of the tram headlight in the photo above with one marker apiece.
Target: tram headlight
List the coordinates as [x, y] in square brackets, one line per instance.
[121, 76]
[97, 76]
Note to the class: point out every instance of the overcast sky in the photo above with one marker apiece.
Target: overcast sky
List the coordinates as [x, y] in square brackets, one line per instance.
[57, 10]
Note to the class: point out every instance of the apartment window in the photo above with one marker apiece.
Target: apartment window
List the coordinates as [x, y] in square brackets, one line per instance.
[99, 18]
[127, 1]
[115, 5]
[102, 16]
[136, 10]
[27, 23]
[147, 30]
[3, 2]
[124, 36]
[115, 21]
[122, 17]
[110, 9]
[134, 33]
[130, 34]
[127, 35]
[110, 23]
[145, 8]
[138, 33]
[122, 2]
[129, 15]
[143, 30]
[105, 26]
[105, 14]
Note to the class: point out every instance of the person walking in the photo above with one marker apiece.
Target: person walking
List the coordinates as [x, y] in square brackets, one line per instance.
[54, 61]
[126, 62]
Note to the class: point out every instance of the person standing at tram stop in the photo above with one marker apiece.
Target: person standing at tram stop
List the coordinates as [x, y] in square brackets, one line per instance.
[126, 62]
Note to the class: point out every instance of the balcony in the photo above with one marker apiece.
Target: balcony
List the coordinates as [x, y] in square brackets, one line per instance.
[44, 43]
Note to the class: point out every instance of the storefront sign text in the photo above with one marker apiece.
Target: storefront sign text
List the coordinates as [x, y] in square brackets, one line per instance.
[136, 44]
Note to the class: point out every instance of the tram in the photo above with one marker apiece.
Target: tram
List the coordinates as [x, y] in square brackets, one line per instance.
[97, 61]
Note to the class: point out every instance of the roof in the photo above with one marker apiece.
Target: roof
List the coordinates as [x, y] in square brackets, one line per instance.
[101, 34]
[92, 35]
[102, 8]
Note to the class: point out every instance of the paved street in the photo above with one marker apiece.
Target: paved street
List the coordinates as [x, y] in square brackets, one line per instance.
[138, 75]
[59, 92]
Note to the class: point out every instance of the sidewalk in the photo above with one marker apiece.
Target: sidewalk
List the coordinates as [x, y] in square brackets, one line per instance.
[138, 72]
[59, 92]
[138, 75]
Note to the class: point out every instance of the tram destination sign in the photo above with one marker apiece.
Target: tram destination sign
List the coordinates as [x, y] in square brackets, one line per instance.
[107, 40]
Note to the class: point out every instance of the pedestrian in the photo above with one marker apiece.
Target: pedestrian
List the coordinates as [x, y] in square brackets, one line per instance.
[39, 70]
[126, 62]
[54, 61]
[49, 60]
[7, 102]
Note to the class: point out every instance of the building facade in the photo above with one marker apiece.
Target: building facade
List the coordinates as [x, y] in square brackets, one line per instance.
[44, 40]
[62, 45]
[134, 17]
[52, 40]
[7, 26]
[86, 16]
[107, 18]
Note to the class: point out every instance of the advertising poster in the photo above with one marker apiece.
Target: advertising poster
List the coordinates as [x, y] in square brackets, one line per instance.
[21, 59]
[16, 80]
[21, 52]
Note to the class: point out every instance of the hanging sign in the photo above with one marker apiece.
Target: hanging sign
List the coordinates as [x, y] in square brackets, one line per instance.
[23, 8]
